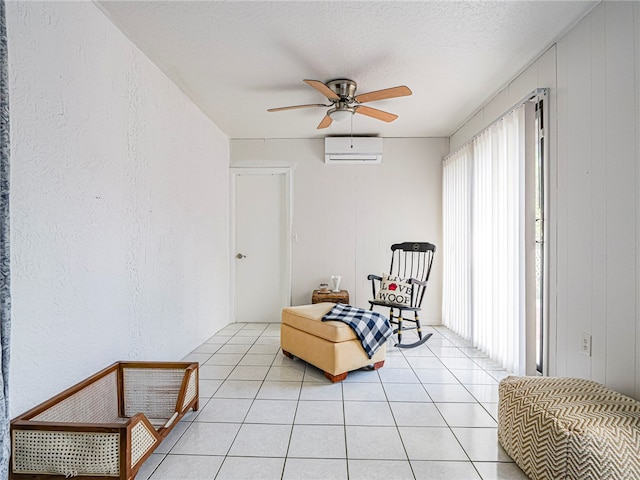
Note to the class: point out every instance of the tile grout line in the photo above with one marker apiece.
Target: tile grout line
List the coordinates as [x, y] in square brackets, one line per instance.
[235, 437]
[293, 421]
[226, 455]
[395, 421]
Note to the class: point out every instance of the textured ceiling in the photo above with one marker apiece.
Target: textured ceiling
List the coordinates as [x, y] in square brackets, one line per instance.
[236, 59]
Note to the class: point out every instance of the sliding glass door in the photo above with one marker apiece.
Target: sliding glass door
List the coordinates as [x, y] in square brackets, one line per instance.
[493, 224]
[540, 247]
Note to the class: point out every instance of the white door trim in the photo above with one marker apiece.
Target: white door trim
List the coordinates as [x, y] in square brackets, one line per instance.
[288, 214]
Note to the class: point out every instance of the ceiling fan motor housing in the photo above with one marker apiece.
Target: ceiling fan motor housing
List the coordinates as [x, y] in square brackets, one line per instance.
[344, 88]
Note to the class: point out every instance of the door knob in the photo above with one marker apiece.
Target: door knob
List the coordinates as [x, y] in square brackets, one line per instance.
[240, 256]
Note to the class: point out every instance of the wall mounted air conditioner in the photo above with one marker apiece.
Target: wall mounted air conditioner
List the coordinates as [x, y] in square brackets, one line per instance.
[352, 150]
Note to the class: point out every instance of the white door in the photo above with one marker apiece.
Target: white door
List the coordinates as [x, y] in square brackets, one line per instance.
[262, 233]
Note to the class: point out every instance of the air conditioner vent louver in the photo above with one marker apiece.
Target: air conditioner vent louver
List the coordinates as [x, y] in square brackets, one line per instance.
[353, 150]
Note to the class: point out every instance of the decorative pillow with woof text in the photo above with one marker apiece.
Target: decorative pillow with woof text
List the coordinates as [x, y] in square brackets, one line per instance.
[394, 290]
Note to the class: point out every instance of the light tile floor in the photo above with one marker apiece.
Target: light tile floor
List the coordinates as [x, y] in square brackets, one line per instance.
[429, 413]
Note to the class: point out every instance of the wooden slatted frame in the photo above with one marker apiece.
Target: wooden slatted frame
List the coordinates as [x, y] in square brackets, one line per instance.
[124, 430]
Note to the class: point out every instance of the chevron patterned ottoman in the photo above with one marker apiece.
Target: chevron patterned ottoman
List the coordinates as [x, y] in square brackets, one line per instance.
[569, 428]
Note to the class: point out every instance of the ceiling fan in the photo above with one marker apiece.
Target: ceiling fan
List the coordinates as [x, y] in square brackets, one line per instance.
[344, 101]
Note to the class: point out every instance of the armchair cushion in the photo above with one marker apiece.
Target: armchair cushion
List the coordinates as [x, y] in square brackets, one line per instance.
[395, 290]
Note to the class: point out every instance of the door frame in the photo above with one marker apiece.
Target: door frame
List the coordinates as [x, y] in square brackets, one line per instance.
[537, 156]
[288, 215]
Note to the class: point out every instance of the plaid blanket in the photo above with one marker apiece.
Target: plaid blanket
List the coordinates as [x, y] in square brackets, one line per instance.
[372, 328]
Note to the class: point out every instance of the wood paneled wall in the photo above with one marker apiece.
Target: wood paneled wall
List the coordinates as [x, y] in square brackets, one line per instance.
[597, 196]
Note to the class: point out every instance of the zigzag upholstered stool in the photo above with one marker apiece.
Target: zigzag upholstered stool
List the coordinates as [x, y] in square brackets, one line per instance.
[331, 346]
[569, 428]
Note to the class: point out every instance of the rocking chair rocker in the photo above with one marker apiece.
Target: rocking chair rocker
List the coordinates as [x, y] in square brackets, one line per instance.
[403, 289]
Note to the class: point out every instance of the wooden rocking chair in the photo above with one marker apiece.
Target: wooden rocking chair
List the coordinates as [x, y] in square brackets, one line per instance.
[403, 289]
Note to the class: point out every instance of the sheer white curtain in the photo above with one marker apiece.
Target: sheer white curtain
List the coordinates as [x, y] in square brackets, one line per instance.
[484, 282]
[457, 234]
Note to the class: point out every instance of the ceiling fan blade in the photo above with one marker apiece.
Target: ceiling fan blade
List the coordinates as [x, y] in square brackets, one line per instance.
[375, 113]
[323, 89]
[293, 107]
[326, 121]
[393, 92]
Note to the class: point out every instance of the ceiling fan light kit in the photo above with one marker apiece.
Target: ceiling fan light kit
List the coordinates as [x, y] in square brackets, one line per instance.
[340, 114]
[344, 102]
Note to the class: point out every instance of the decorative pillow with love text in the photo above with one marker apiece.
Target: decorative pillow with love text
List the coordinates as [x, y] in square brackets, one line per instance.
[394, 290]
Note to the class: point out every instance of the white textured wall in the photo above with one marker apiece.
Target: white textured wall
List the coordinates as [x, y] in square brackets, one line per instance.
[119, 204]
[346, 217]
[594, 226]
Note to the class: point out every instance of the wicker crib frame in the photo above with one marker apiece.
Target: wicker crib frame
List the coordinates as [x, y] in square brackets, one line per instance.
[105, 426]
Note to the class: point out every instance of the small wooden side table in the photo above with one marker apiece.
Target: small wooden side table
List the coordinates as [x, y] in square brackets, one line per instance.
[336, 297]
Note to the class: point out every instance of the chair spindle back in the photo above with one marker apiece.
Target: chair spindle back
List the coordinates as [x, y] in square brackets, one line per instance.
[413, 260]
